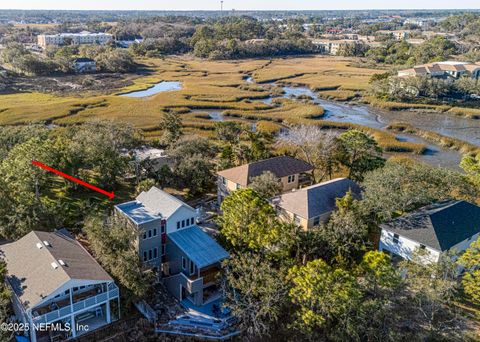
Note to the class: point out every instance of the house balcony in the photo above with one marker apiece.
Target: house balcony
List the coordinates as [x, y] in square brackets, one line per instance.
[192, 284]
[81, 302]
[209, 275]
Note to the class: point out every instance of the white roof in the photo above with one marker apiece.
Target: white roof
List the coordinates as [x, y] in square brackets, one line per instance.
[159, 202]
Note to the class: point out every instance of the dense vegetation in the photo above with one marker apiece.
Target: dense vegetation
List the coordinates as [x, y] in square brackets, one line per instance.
[61, 60]
[327, 284]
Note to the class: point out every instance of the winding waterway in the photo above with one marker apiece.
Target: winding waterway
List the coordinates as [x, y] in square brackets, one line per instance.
[452, 126]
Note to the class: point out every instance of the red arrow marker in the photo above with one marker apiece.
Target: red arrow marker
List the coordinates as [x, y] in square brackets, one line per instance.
[73, 179]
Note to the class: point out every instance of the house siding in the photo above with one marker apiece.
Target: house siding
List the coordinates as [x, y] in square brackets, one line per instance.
[404, 248]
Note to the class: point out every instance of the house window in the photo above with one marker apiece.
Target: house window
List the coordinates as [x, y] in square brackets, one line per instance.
[145, 256]
[316, 221]
[150, 255]
[396, 237]
[291, 179]
[192, 221]
[184, 263]
[237, 186]
[178, 225]
[192, 267]
[145, 235]
[423, 246]
[154, 231]
[162, 228]
[149, 234]
[155, 253]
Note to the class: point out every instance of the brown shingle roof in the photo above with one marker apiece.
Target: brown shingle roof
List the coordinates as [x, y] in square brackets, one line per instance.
[280, 166]
[29, 268]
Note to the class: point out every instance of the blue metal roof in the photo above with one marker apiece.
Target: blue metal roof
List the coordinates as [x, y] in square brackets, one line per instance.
[198, 246]
[137, 212]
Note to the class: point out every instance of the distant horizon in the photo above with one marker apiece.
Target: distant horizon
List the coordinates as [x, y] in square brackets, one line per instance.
[239, 10]
[245, 5]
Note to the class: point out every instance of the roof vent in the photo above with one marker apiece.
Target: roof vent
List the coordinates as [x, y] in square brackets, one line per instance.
[61, 262]
[46, 243]
[39, 245]
[54, 265]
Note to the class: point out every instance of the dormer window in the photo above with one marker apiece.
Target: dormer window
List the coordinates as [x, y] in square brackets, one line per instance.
[291, 179]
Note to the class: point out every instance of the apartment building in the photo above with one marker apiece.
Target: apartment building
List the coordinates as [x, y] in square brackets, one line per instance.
[55, 281]
[445, 70]
[84, 37]
[396, 34]
[333, 46]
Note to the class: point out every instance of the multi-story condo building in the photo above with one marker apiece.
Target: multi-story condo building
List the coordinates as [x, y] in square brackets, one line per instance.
[333, 46]
[291, 172]
[310, 206]
[445, 70]
[186, 258]
[58, 289]
[84, 37]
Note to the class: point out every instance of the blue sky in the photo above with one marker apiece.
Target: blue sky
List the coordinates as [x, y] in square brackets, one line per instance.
[237, 4]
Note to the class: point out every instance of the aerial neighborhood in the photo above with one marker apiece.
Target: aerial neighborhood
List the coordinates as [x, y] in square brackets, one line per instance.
[237, 175]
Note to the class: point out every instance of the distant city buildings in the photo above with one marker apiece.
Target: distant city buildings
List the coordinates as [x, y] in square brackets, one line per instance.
[333, 46]
[397, 34]
[84, 37]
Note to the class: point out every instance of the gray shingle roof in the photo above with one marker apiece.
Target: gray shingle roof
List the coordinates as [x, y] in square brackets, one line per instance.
[29, 268]
[281, 166]
[317, 199]
[198, 246]
[440, 226]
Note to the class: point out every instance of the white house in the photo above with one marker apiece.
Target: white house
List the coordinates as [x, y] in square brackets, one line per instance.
[55, 281]
[84, 65]
[437, 228]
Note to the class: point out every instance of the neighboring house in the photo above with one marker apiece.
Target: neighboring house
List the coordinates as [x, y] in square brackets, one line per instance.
[310, 206]
[186, 258]
[437, 228]
[447, 69]
[127, 43]
[84, 37]
[291, 172]
[54, 280]
[84, 65]
[151, 159]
